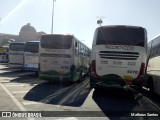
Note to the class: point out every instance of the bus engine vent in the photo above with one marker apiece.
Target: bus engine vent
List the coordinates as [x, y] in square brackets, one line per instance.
[119, 55]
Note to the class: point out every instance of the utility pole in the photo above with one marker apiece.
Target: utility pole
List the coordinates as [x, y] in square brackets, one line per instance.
[99, 22]
[52, 17]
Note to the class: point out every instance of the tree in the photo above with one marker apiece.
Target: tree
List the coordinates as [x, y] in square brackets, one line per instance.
[6, 42]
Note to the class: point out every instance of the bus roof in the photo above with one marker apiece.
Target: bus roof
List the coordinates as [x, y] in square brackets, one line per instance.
[156, 37]
[66, 35]
[32, 41]
[17, 42]
[120, 26]
[57, 34]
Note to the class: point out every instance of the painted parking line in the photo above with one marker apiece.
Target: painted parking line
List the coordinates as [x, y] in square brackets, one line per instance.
[15, 92]
[68, 118]
[31, 103]
[19, 105]
[5, 81]
[15, 85]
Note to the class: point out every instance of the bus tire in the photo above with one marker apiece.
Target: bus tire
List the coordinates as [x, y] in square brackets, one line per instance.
[150, 84]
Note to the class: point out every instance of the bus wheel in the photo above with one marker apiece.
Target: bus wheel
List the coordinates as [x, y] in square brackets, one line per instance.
[150, 84]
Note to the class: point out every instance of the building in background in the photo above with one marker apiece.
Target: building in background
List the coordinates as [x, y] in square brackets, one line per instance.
[27, 33]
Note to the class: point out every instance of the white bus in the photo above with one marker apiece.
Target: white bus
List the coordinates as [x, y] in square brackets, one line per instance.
[16, 54]
[62, 57]
[31, 56]
[118, 58]
[152, 80]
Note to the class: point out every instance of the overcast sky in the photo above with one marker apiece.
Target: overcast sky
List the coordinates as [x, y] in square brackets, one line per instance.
[78, 17]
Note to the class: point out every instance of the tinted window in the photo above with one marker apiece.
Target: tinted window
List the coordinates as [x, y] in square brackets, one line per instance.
[149, 48]
[32, 47]
[121, 36]
[17, 46]
[56, 41]
[155, 47]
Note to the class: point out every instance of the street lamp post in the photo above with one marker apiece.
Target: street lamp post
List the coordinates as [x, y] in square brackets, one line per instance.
[52, 17]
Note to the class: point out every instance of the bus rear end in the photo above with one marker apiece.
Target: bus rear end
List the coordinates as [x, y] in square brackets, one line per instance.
[56, 57]
[16, 55]
[118, 56]
[31, 56]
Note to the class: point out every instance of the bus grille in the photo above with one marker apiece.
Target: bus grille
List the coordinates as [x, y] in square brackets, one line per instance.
[119, 55]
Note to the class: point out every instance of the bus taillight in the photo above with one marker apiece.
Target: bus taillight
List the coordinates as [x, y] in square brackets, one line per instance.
[93, 68]
[141, 73]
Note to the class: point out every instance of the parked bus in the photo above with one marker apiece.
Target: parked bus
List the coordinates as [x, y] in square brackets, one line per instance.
[3, 54]
[16, 54]
[31, 56]
[62, 57]
[118, 57]
[152, 80]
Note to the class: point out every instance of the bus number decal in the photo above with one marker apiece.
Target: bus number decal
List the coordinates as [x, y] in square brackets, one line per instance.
[104, 62]
[125, 47]
[55, 51]
[132, 72]
[64, 67]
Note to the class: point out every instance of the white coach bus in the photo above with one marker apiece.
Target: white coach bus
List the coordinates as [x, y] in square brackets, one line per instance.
[31, 56]
[118, 58]
[16, 54]
[62, 57]
[152, 80]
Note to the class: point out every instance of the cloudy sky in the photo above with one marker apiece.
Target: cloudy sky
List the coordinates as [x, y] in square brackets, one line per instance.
[79, 17]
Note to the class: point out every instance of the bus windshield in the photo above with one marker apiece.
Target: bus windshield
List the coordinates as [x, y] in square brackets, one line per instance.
[121, 36]
[32, 47]
[17, 46]
[56, 41]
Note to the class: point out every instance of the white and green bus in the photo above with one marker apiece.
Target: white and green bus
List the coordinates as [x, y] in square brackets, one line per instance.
[118, 57]
[152, 80]
[16, 55]
[31, 56]
[62, 57]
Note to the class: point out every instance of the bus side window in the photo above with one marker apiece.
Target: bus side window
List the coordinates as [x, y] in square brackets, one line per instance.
[153, 52]
[88, 52]
[79, 48]
[158, 51]
[76, 47]
[83, 49]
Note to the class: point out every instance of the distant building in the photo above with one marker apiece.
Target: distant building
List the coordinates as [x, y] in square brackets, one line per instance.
[27, 33]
